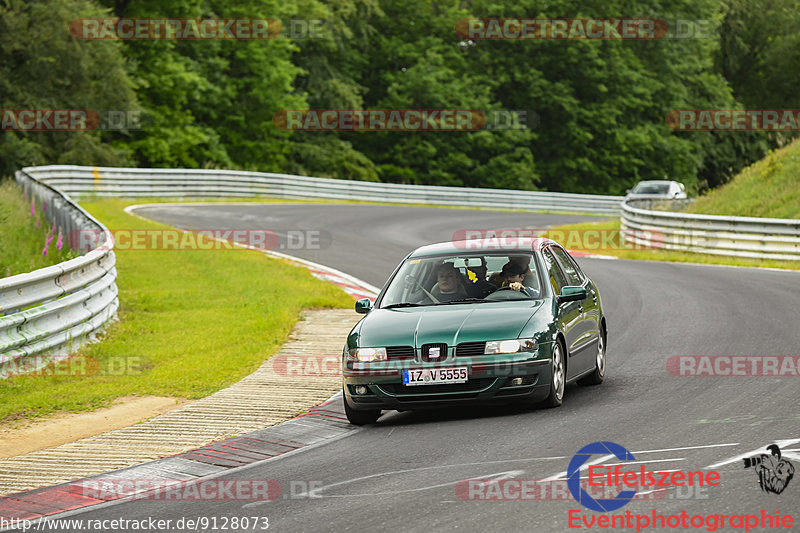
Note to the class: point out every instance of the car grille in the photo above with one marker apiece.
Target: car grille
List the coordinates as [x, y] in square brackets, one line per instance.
[398, 389]
[426, 348]
[398, 353]
[467, 349]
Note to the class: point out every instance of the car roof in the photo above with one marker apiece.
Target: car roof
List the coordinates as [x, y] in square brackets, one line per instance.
[487, 245]
[658, 181]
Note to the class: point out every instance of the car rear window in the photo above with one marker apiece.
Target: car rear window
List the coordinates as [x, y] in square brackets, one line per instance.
[651, 188]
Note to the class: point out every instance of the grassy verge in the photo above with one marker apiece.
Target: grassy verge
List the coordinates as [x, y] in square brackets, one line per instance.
[575, 237]
[191, 323]
[767, 188]
[22, 236]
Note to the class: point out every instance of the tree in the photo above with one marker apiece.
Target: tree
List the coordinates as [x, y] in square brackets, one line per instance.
[43, 67]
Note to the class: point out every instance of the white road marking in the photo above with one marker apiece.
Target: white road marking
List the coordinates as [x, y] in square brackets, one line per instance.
[315, 493]
[688, 448]
[511, 474]
[650, 461]
[562, 475]
[506, 473]
[584, 466]
[642, 493]
[499, 476]
[757, 451]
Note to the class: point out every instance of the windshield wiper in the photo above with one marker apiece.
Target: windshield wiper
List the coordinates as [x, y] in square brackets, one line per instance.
[403, 304]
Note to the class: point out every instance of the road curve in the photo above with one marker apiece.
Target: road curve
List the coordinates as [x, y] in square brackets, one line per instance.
[403, 472]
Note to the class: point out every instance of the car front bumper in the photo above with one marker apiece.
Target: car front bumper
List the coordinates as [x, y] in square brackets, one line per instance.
[488, 383]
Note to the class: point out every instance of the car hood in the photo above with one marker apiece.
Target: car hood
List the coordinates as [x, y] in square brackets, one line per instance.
[450, 324]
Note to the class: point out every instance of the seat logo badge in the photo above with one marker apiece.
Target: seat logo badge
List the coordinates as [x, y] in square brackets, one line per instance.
[434, 352]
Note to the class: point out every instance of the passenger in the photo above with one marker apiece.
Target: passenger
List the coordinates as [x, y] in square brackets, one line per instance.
[448, 285]
[513, 274]
[523, 261]
[477, 285]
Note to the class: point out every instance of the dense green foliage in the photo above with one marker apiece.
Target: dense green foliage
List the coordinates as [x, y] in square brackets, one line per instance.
[595, 108]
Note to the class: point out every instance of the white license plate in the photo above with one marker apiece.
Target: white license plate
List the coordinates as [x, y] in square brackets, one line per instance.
[435, 376]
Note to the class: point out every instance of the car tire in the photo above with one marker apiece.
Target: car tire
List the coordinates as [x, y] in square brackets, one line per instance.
[596, 377]
[360, 418]
[558, 376]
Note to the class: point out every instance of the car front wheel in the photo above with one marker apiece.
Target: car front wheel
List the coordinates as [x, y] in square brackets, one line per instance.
[558, 377]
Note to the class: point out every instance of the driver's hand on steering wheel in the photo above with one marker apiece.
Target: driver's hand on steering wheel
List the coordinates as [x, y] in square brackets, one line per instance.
[515, 286]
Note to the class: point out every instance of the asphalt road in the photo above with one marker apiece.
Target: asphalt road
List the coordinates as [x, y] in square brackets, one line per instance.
[403, 473]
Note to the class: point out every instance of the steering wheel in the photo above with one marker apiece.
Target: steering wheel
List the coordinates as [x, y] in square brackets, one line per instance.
[522, 290]
[409, 279]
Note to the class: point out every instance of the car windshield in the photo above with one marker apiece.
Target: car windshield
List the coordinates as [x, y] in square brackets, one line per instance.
[651, 188]
[467, 278]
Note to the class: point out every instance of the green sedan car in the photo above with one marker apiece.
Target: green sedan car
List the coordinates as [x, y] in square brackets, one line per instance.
[478, 321]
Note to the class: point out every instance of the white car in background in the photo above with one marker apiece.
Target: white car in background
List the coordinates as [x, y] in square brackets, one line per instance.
[657, 190]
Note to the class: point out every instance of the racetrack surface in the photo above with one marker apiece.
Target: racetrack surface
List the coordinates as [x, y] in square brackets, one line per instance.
[403, 472]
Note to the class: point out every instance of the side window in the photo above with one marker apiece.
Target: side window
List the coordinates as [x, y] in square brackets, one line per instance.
[571, 269]
[554, 274]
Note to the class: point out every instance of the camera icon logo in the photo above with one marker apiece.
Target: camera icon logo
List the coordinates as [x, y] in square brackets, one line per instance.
[774, 472]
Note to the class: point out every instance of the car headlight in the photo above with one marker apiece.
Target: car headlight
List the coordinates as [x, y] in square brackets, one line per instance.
[366, 355]
[510, 346]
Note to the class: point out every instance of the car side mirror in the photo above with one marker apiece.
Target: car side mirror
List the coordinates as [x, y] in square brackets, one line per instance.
[572, 293]
[363, 306]
[628, 191]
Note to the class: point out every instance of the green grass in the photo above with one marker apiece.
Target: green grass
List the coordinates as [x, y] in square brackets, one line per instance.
[574, 237]
[768, 188]
[21, 241]
[191, 323]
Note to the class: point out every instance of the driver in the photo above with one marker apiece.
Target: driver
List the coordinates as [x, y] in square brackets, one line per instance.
[448, 284]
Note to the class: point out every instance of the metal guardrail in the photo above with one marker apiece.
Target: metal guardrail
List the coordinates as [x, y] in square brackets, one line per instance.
[53, 310]
[140, 182]
[763, 238]
[50, 312]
